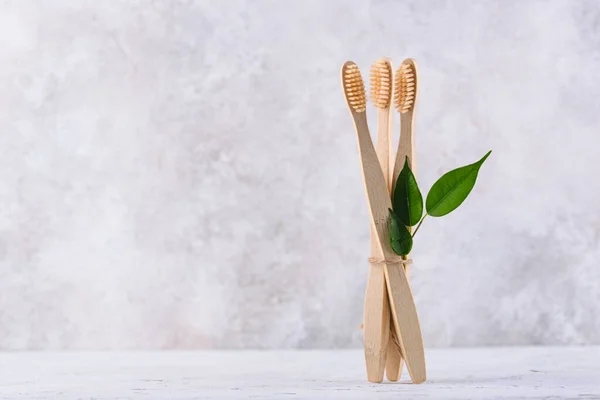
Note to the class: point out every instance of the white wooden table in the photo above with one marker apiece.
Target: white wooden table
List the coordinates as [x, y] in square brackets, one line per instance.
[491, 373]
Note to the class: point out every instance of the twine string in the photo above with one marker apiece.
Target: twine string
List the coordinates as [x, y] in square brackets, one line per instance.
[394, 260]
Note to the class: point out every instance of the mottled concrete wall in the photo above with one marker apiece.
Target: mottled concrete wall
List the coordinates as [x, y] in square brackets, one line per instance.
[185, 174]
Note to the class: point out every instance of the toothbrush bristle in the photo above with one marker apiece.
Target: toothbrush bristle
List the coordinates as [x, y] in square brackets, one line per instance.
[355, 88]
[404, 93]
[381, 83]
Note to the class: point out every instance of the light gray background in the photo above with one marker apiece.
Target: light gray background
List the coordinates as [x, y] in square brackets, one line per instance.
[179, 174]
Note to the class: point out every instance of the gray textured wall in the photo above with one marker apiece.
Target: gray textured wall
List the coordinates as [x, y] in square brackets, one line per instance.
[185, 174]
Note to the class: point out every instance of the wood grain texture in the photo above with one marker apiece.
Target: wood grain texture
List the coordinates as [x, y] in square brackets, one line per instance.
[406, 322]
[406, 148]
[376, 309]
[384, 142]
[377, 324]
[384, 150]
[407, 327]
[377, 317]
[394, 361]
[406, 143]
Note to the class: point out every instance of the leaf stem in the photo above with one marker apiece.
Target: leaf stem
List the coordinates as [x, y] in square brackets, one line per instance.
[419, 225]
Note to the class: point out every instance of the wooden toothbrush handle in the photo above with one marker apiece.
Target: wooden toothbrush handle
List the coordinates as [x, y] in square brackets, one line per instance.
[406, 321]
[406, 148]
[377, 307]
[376, 324]
[384, 148]
[394, 360]
[402, 304]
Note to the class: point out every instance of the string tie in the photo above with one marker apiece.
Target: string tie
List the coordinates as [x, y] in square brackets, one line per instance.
[394, 260]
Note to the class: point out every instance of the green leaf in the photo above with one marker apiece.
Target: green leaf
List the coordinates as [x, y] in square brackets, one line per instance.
[400, 238]
[408, 201]
[452, 189]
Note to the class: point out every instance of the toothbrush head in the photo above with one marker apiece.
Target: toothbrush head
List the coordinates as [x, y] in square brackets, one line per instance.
[354, 88]
[405, 92]
[381, 83]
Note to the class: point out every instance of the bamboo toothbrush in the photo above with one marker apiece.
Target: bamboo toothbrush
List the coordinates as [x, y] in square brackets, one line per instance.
[377, 310]
[403, 309]
[381, 95]
[405, 96]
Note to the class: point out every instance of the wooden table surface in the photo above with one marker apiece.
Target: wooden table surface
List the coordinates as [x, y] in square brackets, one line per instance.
[486, 373]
